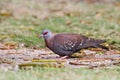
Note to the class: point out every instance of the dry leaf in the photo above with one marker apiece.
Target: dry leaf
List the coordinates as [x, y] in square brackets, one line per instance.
[26, 28]
[48, 60]
[96, 49]
[85, 22]
[11, 45]
[72, 13]
[5, 13]
[99, 14]
[68, 22]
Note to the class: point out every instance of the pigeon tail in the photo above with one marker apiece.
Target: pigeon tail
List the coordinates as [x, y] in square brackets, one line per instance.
[101, 46]
[90, 42]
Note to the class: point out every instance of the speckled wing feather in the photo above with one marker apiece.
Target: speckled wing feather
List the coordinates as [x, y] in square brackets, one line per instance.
[67, 42]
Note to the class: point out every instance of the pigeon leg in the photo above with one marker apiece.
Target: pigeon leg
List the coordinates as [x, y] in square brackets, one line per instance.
[63, 57]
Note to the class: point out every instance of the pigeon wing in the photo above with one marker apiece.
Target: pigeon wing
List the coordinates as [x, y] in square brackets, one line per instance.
[67, 42]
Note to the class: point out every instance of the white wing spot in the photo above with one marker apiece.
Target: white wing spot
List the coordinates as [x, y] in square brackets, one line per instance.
[81, 43]
[69, 44]
[88, 39]
[65, 46]
[73, 45]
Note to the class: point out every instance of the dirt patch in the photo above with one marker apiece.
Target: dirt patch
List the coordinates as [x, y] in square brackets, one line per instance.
[15, 59]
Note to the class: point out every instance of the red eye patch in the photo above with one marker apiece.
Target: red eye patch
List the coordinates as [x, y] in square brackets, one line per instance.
[45, 33]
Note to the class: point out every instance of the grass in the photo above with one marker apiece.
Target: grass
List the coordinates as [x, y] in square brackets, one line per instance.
[93, 20]
[98, 21]
[62, 74]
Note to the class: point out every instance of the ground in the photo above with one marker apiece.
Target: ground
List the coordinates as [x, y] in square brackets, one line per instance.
[22, 52]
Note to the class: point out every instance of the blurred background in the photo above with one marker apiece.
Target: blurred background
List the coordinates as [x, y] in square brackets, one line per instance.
[21, 21]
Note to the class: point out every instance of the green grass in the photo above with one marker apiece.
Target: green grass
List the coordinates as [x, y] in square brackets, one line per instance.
[62, 74]
[26, 29]
[26, 32]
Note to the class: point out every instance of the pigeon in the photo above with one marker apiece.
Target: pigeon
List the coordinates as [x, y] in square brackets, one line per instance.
[65, 44]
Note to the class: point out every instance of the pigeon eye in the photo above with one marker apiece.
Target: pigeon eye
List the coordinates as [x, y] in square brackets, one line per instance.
[45, 33]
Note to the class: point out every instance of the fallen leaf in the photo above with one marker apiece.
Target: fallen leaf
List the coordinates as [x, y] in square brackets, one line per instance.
[72, 13]
[26, 27]
[68, 22]
[47, 60]
[5, 12]
[96, 49]
[99, 14]
[77, 55]
[30, 65]
[11, 45]
[85, 22]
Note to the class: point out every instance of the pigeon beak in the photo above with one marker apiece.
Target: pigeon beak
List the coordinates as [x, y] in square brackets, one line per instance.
[41, 36]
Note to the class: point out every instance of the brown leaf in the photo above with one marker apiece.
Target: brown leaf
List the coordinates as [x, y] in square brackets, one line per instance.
[96, 49]
[72, 13]
[11, 45]
[85, 22]
[74, 63]
[99, 14]
[68, 22]
[5, 13]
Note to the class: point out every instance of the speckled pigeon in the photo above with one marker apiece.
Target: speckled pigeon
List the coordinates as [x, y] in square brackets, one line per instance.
[65, 44]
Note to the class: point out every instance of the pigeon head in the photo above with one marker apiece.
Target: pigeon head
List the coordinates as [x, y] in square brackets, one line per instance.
[46, 34]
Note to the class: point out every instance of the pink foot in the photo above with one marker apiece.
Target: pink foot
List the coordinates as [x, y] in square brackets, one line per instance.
[63, 57]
